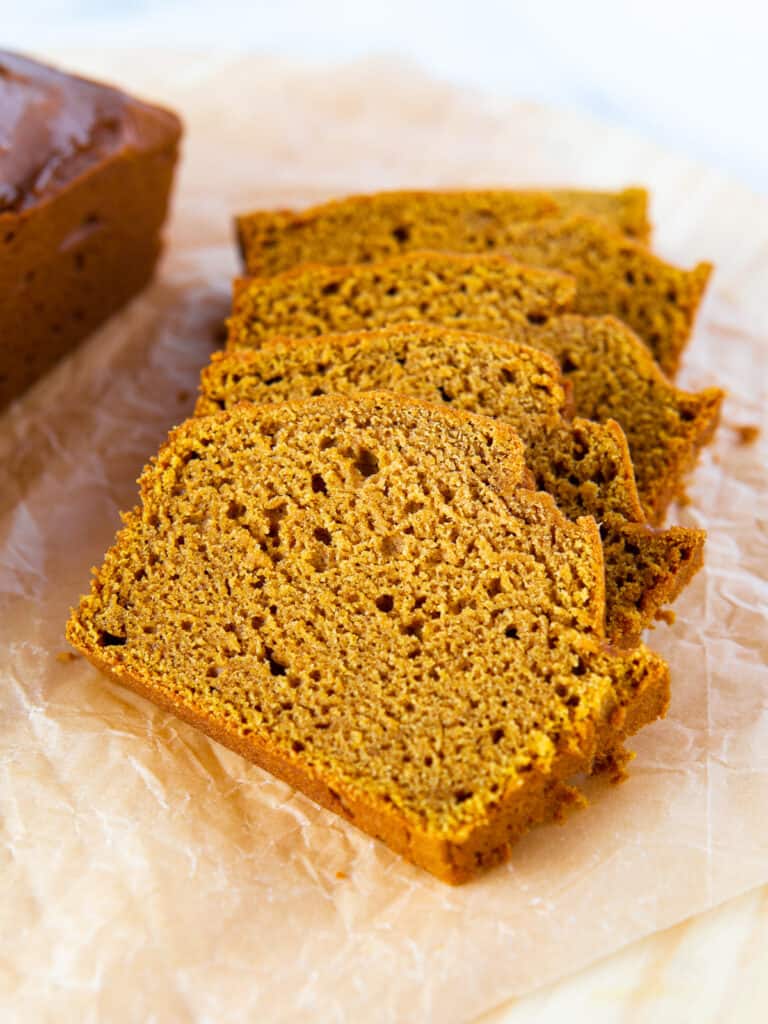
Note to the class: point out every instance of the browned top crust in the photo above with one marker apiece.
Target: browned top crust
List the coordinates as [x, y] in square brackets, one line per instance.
[55, 127]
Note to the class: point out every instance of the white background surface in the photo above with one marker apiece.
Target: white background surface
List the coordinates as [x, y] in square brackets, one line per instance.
[692, 74]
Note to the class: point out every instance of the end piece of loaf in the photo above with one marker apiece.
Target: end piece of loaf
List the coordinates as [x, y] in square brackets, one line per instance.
[85, 178]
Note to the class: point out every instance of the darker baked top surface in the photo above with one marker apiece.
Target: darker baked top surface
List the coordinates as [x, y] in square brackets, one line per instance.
[55, 126]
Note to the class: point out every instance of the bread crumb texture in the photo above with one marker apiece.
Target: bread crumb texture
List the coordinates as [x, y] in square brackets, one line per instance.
[611, 372]
[586, 466]
[614, 273]
[363, 595]
[275, 240]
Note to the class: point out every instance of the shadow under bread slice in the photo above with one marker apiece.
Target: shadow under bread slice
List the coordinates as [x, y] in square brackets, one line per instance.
[614, 274]
[584, 465]
[612, 373]
[371, 226]
[363, 596]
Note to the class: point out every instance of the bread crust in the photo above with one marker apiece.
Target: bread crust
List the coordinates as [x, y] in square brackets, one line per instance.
[77, 254]
[545, 796]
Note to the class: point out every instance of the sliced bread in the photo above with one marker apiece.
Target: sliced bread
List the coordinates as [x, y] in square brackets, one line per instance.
[614, 274]
[384, 223]
[361, 595]
[612, 372]
[585, 465]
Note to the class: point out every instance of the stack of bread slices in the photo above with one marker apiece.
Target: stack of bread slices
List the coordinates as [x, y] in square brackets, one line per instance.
[404, 553]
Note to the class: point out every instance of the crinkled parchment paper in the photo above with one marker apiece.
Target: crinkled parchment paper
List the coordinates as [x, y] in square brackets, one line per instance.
[149, 874]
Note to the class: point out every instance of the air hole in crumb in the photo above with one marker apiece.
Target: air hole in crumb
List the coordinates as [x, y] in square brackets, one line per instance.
[235, 510]
[111, 639]
[318, 484]
[494, 587]
[393, 290]
[401, 234]
[385, 603]
[497, 735]
[568, 365]
[579, 669]
[391, 545]
[444, 395]
[274, 666]
[322, 535]
[297, 746]
[414, 628]
[274, 380]
[316, 392]
[511, 632]
[274, 518]
[366, 463]
[257, 622]
[462, 795]
[507, 376]
[327, 442]
[536, 318]
[331, 288]
[428, 761]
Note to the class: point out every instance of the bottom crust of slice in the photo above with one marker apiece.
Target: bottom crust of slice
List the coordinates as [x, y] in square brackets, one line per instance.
[545, 797]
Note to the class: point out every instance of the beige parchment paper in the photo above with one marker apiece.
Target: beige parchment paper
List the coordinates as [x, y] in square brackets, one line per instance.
[148, 874]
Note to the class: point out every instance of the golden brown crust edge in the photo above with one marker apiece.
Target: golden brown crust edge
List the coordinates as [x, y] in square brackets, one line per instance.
[544, 797]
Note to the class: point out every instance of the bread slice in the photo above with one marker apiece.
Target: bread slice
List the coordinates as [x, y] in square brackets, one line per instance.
[614, 376]
[361, 595]
[617, 276]
[585, 466]
[432, 286]
[613, 273]
[626, 209]
[611, 371]
[381, 224]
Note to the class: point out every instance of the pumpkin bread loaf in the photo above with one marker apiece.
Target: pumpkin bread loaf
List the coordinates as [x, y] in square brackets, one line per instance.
[85, 178]
[613, 273]
[275, 240]
[584, 465]
[361, 595]
[612, 373]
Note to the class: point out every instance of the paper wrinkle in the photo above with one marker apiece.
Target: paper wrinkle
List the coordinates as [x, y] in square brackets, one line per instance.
[148, 873]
